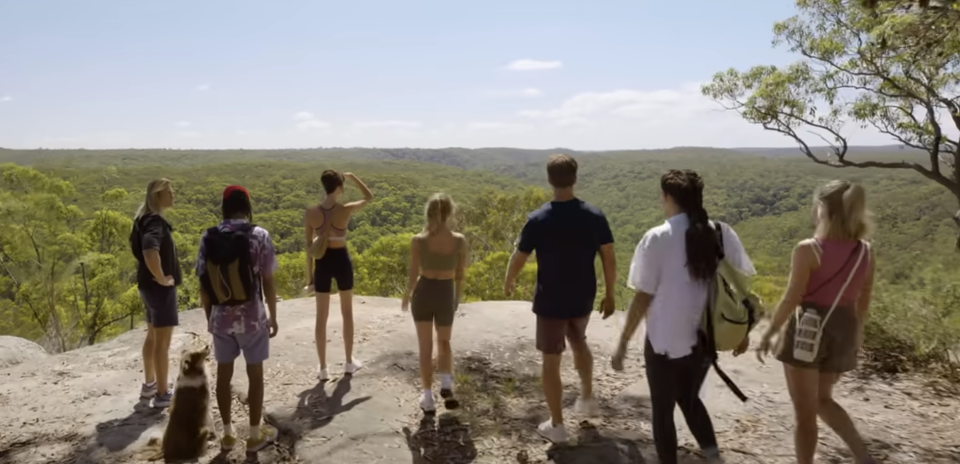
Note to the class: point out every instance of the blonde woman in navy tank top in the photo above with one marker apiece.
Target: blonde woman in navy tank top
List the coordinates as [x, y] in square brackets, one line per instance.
[831, 282]
[438, 259]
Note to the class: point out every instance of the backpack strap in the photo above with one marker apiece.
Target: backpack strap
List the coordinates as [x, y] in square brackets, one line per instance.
[710, 341]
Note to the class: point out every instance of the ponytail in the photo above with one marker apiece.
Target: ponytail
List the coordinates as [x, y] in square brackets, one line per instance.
[844, 214]
[438, 212]
[703, 249]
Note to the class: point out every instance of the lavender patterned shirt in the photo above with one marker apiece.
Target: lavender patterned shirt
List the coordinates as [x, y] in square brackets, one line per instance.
[250, 316]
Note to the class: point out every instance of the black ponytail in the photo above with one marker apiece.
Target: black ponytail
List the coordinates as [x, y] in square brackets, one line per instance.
[703, 249]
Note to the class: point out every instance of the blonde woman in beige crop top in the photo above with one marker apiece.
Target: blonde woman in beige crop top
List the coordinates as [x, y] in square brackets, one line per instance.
[438, 259]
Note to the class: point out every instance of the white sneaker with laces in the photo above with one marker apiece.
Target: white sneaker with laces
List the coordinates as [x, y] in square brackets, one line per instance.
[427, 403]
[351, 367]
[589, 407]
[553, 433]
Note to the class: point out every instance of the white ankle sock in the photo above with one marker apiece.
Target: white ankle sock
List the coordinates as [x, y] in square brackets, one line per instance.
[446, 381]
[228, 430]
[255, 432]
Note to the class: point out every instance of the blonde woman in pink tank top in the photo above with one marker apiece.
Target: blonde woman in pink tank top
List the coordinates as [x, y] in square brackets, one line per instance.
[831, 281]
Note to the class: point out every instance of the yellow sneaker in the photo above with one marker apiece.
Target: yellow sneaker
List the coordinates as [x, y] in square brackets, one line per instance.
[268, 435]
[228, 442]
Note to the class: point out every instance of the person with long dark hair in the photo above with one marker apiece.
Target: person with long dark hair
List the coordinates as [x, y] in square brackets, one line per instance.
[821, 317]
[158, 275]
[671, 272]
[330, 219]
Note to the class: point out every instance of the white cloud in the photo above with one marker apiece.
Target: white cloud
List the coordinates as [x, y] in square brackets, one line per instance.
[529, 92]
[183, 124]
[203, 87]
[533, 65]
[306, 120]
[600, 119]
[6, 98]
[398, 124]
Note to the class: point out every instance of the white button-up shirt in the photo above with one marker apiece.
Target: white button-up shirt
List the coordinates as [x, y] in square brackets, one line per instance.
[659, 268]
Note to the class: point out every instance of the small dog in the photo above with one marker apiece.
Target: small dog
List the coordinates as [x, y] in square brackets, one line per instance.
[190, 426]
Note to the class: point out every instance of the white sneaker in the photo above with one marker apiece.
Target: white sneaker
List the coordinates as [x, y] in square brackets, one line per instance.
[553, 433]
[587, 407]
[323, 374]
[351, 367]
[427, 403]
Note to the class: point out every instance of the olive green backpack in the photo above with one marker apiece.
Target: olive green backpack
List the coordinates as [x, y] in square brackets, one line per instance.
[732, 311]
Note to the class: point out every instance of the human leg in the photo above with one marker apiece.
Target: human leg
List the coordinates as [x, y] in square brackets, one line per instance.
[149, 387]
[837, 418]
[583, 361]
[551, 335]
[344, 276]
[322, 283]
[803, 386]
[225, 351]
[425, 342]
[663, 388]
[161, 361]
[445, 367]
[691, 374]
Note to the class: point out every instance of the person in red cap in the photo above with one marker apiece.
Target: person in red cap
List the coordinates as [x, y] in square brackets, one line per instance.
[328, 221]
[235, 264]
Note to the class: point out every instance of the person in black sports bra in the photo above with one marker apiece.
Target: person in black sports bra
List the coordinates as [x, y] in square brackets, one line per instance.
[335, 265]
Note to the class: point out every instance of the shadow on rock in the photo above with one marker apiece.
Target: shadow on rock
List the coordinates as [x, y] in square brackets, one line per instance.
[449, 441]
[594, 448]
[314, 410]
[118, 434]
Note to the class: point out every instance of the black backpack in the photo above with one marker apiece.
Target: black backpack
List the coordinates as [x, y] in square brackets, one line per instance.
[228, 278]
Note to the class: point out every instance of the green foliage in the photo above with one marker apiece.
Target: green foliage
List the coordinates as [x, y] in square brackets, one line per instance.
[77, 284]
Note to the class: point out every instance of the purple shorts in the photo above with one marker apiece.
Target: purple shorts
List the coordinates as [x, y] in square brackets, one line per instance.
[255, 347]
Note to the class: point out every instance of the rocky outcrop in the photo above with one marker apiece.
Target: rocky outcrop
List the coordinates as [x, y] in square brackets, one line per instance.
[14, 350]
[82, 406]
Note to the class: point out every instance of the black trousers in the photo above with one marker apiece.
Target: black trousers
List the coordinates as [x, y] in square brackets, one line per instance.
[677, 382]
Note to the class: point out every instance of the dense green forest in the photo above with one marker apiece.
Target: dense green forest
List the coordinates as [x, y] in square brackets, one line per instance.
[67, 276]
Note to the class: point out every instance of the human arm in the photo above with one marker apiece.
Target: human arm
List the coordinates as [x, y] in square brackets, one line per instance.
[608, 258]
[801, 266]
[526, 244]
[150, 240]
[205, 303]
[644, 278]
[367, 194]
[863, 301]
[308, 236]
[267, 265]
[462, 268]
[413, 272]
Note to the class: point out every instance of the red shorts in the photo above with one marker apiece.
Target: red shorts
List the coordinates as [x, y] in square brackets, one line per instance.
[552, 334]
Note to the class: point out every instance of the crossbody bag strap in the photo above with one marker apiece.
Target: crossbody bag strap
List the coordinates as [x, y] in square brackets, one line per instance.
[836, 301]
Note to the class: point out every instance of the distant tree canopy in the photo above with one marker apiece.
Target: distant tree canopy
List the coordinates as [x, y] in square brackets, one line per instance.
[898, 74]
[67, 275]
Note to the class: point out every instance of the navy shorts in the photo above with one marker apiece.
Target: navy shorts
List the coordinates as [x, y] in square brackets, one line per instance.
[161, 305]
[335, 264]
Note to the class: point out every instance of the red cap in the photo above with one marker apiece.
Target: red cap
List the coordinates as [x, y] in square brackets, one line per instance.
[234, 188]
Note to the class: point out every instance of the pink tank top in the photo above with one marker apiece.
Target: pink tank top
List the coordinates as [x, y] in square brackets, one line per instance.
[837, 259]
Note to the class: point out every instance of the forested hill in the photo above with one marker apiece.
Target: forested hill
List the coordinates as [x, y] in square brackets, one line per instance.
[67, 275]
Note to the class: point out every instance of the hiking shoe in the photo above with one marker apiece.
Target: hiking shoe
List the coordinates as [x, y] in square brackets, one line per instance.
[553, 433]
[323, 374]
[268, 435]
[148, 390]
[427, 404]
[163, 401]
[228, 442]
[449, 401]
[351, 367]
[587, 407]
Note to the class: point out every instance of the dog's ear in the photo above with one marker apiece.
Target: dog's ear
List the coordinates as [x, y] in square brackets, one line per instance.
[206, 350]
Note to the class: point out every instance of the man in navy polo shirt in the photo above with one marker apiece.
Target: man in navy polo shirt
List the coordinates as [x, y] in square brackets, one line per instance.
[566, 234]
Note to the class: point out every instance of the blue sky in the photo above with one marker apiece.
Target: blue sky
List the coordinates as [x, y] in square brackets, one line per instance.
[275, 74]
